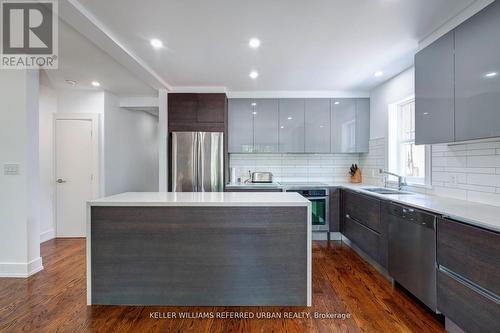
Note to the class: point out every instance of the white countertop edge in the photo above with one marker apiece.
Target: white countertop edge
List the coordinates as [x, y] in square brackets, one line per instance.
[198, 204]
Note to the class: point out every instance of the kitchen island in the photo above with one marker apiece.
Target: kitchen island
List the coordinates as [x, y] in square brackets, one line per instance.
[199, 249]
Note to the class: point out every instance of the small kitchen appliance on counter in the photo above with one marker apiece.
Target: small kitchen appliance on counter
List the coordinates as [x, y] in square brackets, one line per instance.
[261, 177]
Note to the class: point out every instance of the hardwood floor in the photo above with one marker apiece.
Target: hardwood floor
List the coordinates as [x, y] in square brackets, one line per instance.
[54, 301]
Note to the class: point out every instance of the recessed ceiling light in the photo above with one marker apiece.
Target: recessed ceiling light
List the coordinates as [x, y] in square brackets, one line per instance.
[492, 74]
[156, 43]
[282, 126]
[254, 43]
[254, 113]
[254, 74]
[254, 104]
[378, 73]
[95, 83]
[71, 82]
[337, 103]
[289, 118]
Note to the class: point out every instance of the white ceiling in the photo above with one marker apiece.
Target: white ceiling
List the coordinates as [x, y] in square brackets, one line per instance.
[82, 61]
[311, 45]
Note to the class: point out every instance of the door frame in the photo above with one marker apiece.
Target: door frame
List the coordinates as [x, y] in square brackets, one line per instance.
[96, 157]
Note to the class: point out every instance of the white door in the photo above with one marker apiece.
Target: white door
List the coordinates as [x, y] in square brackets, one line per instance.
[73, 175]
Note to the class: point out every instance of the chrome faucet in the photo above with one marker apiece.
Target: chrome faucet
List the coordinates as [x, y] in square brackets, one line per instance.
[401, 179]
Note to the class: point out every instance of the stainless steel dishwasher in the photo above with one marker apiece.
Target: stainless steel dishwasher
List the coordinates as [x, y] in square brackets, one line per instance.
[412, 251]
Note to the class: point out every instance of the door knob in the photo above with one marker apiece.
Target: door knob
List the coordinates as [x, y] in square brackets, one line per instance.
[60, 181]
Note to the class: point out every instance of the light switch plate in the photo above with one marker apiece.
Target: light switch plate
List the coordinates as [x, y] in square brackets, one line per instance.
[11, 169]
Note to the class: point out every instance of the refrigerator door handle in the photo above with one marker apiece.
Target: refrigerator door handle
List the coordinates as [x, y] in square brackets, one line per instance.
[200, 165]
[196, 167]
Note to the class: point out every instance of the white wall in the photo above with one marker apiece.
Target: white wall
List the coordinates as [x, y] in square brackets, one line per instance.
[130, 149]
[80, 101]
[19, 194]
[47, 108]
[392, 91]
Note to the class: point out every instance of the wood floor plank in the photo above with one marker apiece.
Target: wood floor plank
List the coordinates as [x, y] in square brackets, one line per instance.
[54, 300]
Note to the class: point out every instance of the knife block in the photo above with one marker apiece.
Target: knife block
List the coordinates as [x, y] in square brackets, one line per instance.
[356, 179]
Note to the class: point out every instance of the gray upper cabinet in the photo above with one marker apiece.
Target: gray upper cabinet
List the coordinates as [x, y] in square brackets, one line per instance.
[266, 119]
[240, 126]
[477, 75]
[315, 125]
[457, 82]
[291, 126]
[362, 124]
[434, 92]
[317, 137]
[343, 125]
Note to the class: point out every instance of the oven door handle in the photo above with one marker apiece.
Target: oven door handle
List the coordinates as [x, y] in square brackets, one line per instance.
[316, 198]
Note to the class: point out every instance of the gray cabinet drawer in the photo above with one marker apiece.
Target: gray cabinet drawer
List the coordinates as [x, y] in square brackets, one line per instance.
[364, 238]
[470, 309]
[471, 252]
[363, 209]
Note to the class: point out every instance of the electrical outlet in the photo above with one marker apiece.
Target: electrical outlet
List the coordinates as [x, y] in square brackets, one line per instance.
[454, 179]
[11, 169]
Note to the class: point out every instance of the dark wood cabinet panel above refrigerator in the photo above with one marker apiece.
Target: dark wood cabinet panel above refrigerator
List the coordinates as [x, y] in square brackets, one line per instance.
[197, 112]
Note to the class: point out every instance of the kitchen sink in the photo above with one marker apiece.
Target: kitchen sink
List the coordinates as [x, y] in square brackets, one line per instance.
[383, 190]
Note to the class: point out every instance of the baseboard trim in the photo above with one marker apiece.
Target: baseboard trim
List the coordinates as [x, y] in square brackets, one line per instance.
[335, 236]
[367, 258]
[47, 235]
[20, 270]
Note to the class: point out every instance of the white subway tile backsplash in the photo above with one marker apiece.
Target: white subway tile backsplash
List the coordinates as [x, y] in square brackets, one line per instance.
[296, 167]
[491, 161]
[468, 171]
[477, 152]
[486, 198]
[483, 179]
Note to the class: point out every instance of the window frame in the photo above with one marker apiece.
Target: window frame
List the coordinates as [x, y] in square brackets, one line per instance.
[394, 142]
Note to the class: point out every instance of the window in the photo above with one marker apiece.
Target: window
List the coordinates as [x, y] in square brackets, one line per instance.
[406, 158]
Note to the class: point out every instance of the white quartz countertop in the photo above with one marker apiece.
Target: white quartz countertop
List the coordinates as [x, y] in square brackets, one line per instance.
[481, 215]
[486, 216]
[202, 199]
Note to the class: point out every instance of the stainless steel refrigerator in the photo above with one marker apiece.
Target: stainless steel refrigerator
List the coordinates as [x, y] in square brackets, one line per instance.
[197, 161]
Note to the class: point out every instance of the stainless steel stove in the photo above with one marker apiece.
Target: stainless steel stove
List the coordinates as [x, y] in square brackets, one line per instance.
[317, 193]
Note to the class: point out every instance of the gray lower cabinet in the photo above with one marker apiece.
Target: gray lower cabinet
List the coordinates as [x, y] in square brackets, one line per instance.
[363, 225]
[335, 209]
[265, 126]
[291, 125]
[468, 291]
[434, 92]
[317, 117]
[477, 75]
[240, 126]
